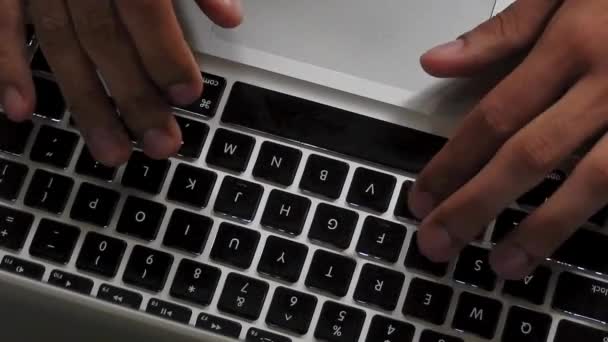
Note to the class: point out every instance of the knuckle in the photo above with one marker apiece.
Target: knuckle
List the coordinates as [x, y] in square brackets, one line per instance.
[534, 154]
[96, 30]
[52, 31]
[493, 118]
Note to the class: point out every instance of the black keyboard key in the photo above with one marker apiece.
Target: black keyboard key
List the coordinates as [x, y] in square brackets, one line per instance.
[147, 268]
[569, 331]
[88, 166]
[39, 62]
[170, 311]
[428, 301]
[362, 137]
[141, 218]
[257, 335]
[194, 134]
[389, 330]
[243, 296]
[524, 325]
[101, 254]
[119, 296]
[22, 267]
[230, 150]
[371, 190]
[235, 245]
[417, 261]
[277, 163]
[381, 239]
[473, 268]
[324, 176]
[218, 325]
[195, 282]
[339, 323]
[71, 282]
[532, 288]
[238, 199]
[54, 146]
[14, 228]
[330, 273]
[187, 231]
[539, 194]
[477, 315]
[507, 222]
[402, 209]
[191, 186]
[291, 310]
[12, 176]
[333, 226]
[379, 286]
[94, 204]
[48, 191]
[582, 250]
[145, 174]
[54, 241]
[49, 100]
[582, 297]
[431, 336]
[285, 212]
[207, 104]
[14, 135]
[282, 259]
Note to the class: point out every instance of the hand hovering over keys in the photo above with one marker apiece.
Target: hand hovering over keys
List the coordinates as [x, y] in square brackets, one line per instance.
[138, 49]
[550, 105]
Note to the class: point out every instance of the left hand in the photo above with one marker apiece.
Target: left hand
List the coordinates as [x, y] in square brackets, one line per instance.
[551, 104]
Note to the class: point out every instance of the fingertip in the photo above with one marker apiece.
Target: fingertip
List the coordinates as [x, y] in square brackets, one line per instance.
[420, 202]
[441, 61]
[226, 13]
[17, 105]
[511, 262]
[436, 244]
[185, 93]
[161, 143]
[111, 148]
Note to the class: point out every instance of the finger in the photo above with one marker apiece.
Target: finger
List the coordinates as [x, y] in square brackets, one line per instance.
[226, 13]
[92, 111]
[139, 102]
[504, 35]
[519, 165]
[162, 48]
[16, 87]
[548, 227]
[531, 88]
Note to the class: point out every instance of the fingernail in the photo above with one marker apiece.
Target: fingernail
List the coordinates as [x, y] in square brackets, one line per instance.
[184, 93]
[436, 243]
[14, 104]
[236, 4]
[420, 203]
[511, 262]
[158, 144]
[447, 50]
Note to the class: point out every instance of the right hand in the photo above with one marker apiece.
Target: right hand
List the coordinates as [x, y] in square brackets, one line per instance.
[137, 47]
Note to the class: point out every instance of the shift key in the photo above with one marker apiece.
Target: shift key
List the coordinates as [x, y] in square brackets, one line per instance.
[582, 297]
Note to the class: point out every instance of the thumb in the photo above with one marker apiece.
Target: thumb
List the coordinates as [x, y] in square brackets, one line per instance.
[226, 13]
[503, 36]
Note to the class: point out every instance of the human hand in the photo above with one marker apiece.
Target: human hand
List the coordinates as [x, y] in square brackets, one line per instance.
[551, 104]
[137, 47]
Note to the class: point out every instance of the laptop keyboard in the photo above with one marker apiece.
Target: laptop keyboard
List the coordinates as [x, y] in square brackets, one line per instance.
[276, 256]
